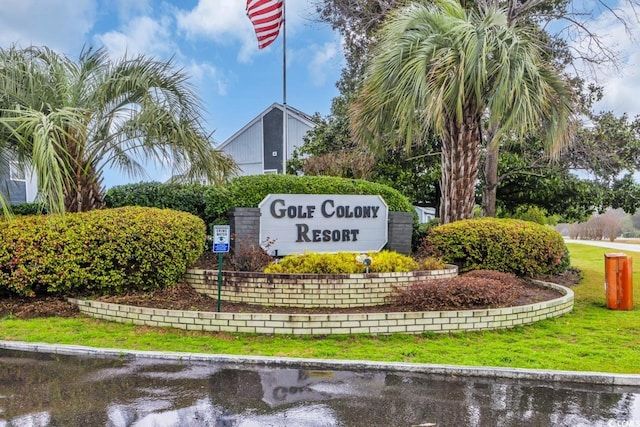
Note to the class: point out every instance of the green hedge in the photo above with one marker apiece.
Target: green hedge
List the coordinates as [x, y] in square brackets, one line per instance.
[211, 203]
[508, 245]
[179, 197]
[99, 252]
[248, 191]
[28, 209]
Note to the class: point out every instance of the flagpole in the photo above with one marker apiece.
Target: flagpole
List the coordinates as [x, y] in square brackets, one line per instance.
[285, 121]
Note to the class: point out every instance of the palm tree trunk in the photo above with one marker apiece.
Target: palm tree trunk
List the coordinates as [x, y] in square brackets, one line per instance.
[83, 189]
[460, 152]
[490, 188]
[85, 193]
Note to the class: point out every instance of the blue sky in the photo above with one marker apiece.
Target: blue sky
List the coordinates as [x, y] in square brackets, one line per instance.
[214, 42]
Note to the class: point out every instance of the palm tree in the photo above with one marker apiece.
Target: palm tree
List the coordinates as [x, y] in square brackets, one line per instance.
[458, 73]
[72, 120]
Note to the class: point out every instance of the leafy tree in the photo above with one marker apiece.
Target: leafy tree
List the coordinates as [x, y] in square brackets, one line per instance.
[359, 20]
[441, 67]
[527, 178]
[329, 150]
[607, 147]
[571, 40]
[594, 173]
[414, 172]
[71, 120]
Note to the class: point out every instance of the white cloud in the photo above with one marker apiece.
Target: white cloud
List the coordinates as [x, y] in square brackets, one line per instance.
[320, 64]
[226, 21]
[202, 72]
[59, 24]
[140, 35]
[130, 8]
[222, 21]
[300, 13]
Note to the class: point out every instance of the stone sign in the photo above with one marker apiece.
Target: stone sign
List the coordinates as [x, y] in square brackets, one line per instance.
[298, 223]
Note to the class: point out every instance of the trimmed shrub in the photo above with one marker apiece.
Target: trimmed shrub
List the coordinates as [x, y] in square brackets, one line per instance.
[462, 292]
[28, 209]
[508, 245]
[180, 197]
[342, 263]
[531, 213]
[506, 278]
[248, 191]
[101, 252]
[211, 203]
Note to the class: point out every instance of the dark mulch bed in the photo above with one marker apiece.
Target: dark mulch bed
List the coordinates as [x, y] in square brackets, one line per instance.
[29, 308]
[183, 297]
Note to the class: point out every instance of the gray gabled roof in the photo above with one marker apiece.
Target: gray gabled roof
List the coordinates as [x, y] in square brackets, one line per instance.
[294, 112]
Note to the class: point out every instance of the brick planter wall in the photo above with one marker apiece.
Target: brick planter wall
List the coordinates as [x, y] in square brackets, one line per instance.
[308, 290]
[323, 324]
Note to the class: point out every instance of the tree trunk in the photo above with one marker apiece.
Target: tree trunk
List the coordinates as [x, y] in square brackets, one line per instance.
[83, 187]
[85, 194]
[460, 154]
[490, 188]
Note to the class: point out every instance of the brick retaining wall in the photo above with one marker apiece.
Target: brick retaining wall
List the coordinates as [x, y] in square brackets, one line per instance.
[324, 324]
[308, 290]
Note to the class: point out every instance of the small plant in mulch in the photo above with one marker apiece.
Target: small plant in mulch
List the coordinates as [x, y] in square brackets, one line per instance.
[245, 256]
[477, 289]
[248, 257]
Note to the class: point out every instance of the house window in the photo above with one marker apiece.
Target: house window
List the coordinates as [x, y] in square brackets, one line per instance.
[15, 172]
[271, 171]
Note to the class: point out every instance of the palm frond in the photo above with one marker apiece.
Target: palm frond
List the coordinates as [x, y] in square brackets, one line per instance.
[73, 120]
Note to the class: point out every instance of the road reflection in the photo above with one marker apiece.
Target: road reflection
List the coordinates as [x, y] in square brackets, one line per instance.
[43, 390]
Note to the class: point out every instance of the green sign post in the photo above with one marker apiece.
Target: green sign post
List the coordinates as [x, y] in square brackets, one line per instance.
[221, 240]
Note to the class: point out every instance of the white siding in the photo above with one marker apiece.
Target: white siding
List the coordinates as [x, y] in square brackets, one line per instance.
[251, 169]
[247, 147]
[296, 131]
[32, 185]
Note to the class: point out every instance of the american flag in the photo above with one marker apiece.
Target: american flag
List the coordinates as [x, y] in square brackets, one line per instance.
[266, 16]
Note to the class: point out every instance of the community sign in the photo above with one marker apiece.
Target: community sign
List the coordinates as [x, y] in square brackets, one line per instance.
[298, 223]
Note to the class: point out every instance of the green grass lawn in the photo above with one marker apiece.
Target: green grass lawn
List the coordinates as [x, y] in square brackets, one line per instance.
[592, 338]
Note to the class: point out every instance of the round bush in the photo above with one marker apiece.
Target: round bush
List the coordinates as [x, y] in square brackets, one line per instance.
[101, 252]
[508, 245]
[342, 263]
[462, 292]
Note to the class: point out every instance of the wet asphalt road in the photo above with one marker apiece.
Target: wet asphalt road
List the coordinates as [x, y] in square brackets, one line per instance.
[41, 389]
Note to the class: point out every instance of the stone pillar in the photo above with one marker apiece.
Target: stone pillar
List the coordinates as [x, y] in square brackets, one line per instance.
[400, 229]
[245, 227]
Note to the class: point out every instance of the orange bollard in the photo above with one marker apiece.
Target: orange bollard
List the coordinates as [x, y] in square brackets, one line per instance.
[618, 281]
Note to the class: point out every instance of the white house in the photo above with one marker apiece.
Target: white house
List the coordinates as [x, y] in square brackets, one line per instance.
[258, 148]
[17, 183]
[425, 214]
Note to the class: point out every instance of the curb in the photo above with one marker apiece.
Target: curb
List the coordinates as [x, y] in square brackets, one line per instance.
[599, 378]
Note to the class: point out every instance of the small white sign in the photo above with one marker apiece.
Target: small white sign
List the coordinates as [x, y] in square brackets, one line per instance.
[298, 223]
[221, 238]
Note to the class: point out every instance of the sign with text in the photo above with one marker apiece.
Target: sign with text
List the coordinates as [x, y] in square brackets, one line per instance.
[221, 238]
[298, 223]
